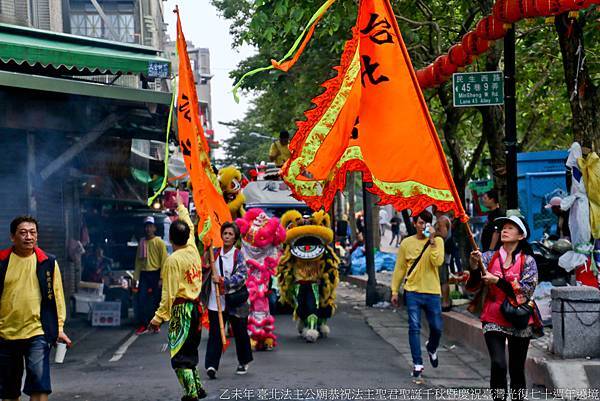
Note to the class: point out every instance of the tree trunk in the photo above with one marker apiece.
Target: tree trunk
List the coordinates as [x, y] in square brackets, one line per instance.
[351, 188]
[375, 223]
[449, 128]
[493, 130]
[583, 94]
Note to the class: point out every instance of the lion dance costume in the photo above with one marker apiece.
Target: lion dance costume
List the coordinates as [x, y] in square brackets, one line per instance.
[261, 237]
[230, 180]
[308, 272]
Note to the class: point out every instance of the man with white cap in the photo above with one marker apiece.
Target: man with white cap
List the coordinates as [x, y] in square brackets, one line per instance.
[562, 226]
[149, 260]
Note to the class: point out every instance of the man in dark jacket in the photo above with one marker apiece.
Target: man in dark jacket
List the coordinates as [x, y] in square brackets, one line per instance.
[32, 313]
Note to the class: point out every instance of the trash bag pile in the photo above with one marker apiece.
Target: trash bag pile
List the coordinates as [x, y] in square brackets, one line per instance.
[384, 261]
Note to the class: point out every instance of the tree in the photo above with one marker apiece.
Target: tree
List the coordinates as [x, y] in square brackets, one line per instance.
[429, 28]
[584, 98]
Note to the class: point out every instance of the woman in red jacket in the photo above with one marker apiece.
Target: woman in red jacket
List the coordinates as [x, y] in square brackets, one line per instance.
[510, 272]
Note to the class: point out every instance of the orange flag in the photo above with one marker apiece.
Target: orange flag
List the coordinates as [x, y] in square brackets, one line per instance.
[210, 205]
[372, 117]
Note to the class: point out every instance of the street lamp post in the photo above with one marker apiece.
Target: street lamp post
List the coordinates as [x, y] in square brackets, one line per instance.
[510, 120]
[371, 297]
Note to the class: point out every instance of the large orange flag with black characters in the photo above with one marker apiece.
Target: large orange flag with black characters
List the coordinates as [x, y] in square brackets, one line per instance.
[210, 205]
[372, 117]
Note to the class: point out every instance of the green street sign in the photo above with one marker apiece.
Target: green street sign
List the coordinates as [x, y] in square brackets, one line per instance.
[478, 89]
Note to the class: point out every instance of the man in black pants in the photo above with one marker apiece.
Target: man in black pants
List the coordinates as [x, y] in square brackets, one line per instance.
[180, 305]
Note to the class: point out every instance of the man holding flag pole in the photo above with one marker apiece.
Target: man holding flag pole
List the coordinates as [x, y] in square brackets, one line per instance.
[183, 276]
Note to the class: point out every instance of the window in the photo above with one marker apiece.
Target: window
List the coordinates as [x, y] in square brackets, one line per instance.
[86, 21]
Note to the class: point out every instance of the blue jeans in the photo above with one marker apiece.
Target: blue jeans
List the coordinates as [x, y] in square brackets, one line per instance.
[34, 354]
[432, 304]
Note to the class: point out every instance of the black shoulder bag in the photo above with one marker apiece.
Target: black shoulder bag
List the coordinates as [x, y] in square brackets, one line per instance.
[517, 315]
[411, 269]
[237, 298]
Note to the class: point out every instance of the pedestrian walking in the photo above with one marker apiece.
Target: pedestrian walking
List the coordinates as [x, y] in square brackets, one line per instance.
[383, 221]
[235, 309]
[395, 227]
[511, 278]
[32, 313]
[443, 228]
[419, 259]
[180, 304]
[150, 258]
[489, 235]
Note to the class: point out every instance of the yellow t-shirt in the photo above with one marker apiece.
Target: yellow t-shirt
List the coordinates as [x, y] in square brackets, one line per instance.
[155, 260]
[182, 273]
[280, 152]
[20, 305]
[425, 277]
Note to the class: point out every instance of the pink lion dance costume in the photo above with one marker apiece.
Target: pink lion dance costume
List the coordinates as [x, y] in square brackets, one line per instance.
[261, 237]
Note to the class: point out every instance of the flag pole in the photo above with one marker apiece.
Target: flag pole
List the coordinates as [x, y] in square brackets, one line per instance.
[215, 273]
[474, 245]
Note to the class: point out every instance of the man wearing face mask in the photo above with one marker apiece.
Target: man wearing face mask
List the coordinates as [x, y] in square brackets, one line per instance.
[417, 267]
[32, 313]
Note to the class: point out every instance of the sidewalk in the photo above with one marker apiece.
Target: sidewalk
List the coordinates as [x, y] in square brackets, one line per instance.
[463, 330]
[459, 367]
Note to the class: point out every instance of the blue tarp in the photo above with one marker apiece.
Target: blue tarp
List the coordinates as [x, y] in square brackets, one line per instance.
[383, 261]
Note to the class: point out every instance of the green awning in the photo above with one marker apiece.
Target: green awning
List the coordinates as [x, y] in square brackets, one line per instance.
[82, 88]
[76, 55]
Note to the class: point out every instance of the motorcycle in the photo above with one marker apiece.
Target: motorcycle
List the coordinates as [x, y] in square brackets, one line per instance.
[546, 254]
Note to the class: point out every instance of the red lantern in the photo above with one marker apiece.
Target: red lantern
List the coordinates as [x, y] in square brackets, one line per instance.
[469, 43]
[425, 77]
[490, 28]
[529, 9]
[571, 5]
[458, 56]
[481, 45]
[438, 75]
[448, 68]
[438, 65]
[548, 8]
[507, 11]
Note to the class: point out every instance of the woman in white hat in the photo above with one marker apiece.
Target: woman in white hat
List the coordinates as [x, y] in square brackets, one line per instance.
[511, 273]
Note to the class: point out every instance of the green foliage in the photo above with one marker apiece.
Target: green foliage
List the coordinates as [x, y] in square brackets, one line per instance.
[429, 28]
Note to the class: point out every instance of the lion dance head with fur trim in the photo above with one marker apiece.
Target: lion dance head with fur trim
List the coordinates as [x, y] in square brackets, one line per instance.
[230, 180]
[261, 239]
[308, 272]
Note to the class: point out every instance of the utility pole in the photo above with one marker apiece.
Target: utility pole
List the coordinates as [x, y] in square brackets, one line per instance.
[510, 120]
[371, 298]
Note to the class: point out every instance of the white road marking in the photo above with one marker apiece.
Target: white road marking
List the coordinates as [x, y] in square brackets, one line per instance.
[123, 348]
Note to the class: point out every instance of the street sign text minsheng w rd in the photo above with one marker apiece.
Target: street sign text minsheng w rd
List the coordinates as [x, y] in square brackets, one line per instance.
[478, 89]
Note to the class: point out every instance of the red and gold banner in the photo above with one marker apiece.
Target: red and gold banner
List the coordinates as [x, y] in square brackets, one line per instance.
[372, 118]
[210, 205]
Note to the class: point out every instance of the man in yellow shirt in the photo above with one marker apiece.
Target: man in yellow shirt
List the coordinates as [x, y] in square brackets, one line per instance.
[32, 313]
[417, 267]
[279, 152]
[150, 258]
[180, 305]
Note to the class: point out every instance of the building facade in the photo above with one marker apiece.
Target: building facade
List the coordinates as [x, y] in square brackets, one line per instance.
[69, 113]
[128, 21]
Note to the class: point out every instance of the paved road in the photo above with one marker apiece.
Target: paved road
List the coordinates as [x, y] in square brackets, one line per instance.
[354, 357]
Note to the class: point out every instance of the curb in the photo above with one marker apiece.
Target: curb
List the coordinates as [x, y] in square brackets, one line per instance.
[542, 369]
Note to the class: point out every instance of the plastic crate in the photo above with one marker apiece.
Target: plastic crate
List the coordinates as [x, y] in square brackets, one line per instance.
[106, 314]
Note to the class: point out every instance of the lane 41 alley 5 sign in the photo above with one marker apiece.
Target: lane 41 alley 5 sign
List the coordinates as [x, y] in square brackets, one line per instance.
[478, 89]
